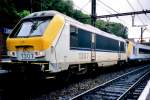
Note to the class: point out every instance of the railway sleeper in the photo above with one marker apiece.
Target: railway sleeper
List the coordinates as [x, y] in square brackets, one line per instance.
[123, 85]
[92, 97]
[108, 97]
[114, 89]
[98, 97]
[133, 96]
[110, 93]
[138, 91]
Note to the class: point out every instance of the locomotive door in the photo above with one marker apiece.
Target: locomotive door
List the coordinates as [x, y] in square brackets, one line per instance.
[93, 52]
[119, 52]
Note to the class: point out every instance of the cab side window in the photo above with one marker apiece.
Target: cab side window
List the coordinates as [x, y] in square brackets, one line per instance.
[73, 36]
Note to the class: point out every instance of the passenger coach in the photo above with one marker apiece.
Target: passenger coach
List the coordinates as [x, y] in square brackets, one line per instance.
[59, 43]
[138, 52]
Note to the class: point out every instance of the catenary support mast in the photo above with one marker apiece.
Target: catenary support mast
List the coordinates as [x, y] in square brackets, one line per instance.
[93, 11]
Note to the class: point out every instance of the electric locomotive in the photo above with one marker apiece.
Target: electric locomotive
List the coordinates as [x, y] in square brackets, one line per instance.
[138, 52]
[57, 43]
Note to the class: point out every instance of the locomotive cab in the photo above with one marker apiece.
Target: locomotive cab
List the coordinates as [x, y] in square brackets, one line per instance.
[33, 36]
[58, 43]
[33, 39]
[23, 43]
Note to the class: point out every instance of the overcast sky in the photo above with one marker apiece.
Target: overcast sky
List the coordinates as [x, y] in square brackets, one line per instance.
[120, 6]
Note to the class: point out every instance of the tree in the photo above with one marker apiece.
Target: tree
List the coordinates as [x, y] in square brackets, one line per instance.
[113, 28]
[23, 13]
[10, 15]
[78, 15]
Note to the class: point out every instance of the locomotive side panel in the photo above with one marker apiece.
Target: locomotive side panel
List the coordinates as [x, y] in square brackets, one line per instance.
[59, 52]
[138, 52]
[61, 42]
[143, 52]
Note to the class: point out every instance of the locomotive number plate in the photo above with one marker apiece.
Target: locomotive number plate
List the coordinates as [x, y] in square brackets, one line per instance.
[25, 56]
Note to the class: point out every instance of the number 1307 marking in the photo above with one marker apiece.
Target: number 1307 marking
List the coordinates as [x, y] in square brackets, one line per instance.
[27, 56]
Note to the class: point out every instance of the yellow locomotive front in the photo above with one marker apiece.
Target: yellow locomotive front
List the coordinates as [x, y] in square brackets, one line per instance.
[24, 42]
[33, 36]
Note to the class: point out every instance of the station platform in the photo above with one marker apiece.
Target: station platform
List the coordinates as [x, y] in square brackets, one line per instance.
[5, 60]
[145, 95]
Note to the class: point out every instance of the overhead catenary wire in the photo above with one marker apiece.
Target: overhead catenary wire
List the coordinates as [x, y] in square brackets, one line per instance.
[107, 18]
[112, 10]
[104, 8]
[135, 10]
[122, 21]
[148, 17]
[148, 30]
[119, 14]
[140, 4]
[81, 8]
[108, 6]
[85, 4]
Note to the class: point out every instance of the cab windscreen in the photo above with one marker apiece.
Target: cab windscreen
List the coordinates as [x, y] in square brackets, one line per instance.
[31, 27]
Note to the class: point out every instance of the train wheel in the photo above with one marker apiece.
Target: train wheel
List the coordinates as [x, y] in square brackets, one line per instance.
[82, 69]
[93, 69]
[78, 69]
[63, 76]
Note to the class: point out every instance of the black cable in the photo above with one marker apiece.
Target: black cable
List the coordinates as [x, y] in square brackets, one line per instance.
[105, 9]
[111, 13]
[81, 8]
[134, 11]
[130, 5]
[147, 17]
[140, 4]
[143, 9]
[85, 5]
[148, 30]
[108, 6]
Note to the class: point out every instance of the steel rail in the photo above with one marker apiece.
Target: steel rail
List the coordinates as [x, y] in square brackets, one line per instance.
[133, 86]
[107, 83]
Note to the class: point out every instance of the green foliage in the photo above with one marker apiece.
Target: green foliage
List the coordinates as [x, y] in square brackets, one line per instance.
[10, 14]
[118, 29]
[114, 28]
[78, 15]
[23, 13]
[63, 6]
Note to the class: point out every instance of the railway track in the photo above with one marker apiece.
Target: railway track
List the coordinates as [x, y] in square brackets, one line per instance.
[129, 85]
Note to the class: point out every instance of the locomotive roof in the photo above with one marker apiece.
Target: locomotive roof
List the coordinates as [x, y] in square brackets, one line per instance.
[138, 45]
[142, 46]
[85, 26]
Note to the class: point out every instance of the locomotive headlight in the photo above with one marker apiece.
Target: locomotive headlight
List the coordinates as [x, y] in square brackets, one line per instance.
[39, 54]
[12, 53]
